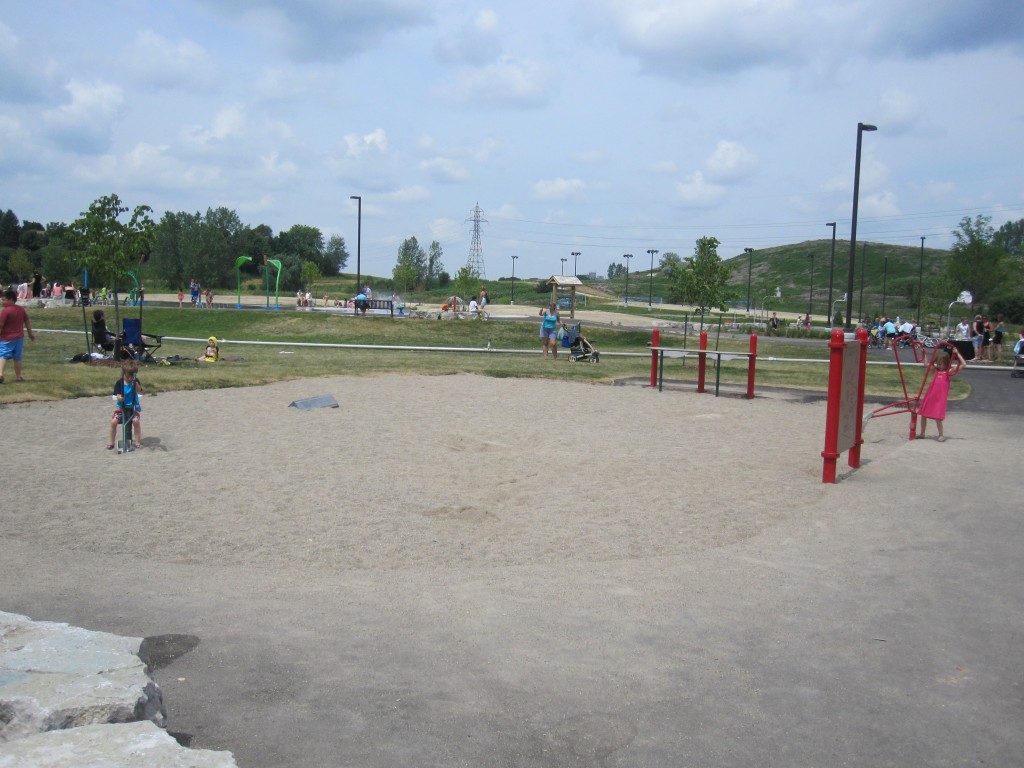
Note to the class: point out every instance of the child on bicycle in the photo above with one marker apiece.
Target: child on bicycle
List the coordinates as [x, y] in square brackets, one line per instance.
[127, 403]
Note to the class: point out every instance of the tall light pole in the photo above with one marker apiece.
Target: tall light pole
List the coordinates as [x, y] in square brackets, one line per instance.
[563, 260]
[885, 279]
[920, 279]
[750, 269]
[810, 293]
[831, 272]
[359, 243]
[513, 299]
[575, 270]
[650, 284]
[627, 257]
[861, 127]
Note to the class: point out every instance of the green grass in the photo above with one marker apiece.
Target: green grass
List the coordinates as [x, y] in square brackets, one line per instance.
[51, 377]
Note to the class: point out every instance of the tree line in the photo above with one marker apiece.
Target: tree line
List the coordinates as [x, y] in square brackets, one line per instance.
[110, 239]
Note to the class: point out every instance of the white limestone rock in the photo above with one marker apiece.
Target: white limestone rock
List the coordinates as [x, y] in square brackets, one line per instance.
[55, 676]
[126, 745]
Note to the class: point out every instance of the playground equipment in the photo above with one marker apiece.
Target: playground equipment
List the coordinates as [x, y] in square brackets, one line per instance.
[276, 264]
[845, 407]
[238, 277]
[658, 354]
[910, 404]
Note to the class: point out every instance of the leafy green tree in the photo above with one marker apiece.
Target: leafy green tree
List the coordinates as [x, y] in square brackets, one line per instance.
[10, 230]
[309, 274]
[335, 257]
[616, 270]
[465, 280]
[670, 264]
[1010, 237]
[977, 264]
[702, 280]
[411, 265]
[107, 246]
[435, 268]
[19, 265]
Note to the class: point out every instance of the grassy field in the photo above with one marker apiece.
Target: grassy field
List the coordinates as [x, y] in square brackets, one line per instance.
[50, 375]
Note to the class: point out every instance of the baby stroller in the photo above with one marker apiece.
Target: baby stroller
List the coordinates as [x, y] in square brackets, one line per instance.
[578, 345]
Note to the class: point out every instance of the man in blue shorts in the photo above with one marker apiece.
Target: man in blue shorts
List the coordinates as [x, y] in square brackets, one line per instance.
[13, 323]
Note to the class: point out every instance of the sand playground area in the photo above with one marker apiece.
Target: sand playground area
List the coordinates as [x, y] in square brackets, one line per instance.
[461, 570]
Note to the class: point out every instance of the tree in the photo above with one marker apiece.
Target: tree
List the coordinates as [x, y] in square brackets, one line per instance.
[702, 280]
[1010, 238]
[670, 264]
[309, 274]
[335, 256]
[465, 279]
[107, 246]
[977, 264]
[435, 269]
[616, 270]
[411, 265]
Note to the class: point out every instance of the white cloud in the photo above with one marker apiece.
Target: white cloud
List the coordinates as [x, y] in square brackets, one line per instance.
[357, 145]
[228, 123]
[445, 230]
[729, 162]
[159, 63]
[695, 192]
[412, 194]
[147, 164]
[27, 73]
[898, 111]
[275, 169]
[444, 169]
[475, 43]
[508, 81]
[558, 189]
[85, 123]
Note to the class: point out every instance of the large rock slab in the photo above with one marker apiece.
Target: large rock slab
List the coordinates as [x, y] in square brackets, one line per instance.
[127, 745]
[55, 676]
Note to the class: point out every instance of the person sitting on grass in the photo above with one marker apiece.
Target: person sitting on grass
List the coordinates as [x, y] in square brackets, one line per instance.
[127, 402]
[212, 353]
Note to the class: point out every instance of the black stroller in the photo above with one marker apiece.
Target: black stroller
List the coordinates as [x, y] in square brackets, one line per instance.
[578, 345]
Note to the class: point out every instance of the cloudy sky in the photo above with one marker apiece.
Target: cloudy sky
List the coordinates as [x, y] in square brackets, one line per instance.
[599, 126]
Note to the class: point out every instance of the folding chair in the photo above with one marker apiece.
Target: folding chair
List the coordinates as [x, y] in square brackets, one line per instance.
[140, 345]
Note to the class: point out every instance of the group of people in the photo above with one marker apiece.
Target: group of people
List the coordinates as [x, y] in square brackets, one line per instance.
[887, 330]
[987, 340]
[478, 306]
[197, 296]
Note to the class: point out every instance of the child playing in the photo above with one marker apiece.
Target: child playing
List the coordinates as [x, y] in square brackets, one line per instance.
[933, 406]
[126, 399]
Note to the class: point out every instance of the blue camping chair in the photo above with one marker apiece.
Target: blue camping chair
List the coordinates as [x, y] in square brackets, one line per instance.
[137, 344]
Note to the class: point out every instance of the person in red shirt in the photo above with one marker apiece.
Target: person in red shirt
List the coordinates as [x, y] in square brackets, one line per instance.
[12, 338]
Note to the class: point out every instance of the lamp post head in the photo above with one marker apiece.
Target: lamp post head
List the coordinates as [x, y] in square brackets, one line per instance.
[748, 250]
[355, 197]
[866, 127]
[830, 223]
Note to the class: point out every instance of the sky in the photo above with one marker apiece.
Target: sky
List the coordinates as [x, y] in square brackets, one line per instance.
[602, 127]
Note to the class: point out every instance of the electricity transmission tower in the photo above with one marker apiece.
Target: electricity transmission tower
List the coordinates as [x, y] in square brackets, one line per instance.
[476, 251]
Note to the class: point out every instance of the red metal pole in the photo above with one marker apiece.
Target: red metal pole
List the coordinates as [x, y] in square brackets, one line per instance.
[751, 365]
[655, 338]
[702, 361]
[837, 347]
[862, 337]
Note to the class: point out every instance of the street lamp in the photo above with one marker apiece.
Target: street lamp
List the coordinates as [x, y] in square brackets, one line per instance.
[750, 267]
[885, 278]
[861, 127]
[831, 272]
[513, 299]
[650, 285]
[920, 278]
[810, 293]
[359, 242]
[627, 257]
[563, 260]
[575, 270]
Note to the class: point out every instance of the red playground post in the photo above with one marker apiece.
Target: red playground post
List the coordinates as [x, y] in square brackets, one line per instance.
[751, 364]
[702, 362]
[845, 410]
[655, 340]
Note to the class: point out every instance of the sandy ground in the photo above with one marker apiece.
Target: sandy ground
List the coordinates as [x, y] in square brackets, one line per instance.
[460, 570]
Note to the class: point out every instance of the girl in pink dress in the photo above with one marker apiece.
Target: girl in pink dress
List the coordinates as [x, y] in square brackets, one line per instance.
[933, 405]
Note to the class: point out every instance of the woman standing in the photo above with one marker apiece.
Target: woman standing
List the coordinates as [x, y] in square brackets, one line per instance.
[549, 330]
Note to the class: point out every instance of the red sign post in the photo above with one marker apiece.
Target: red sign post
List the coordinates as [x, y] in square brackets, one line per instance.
[845, 411]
